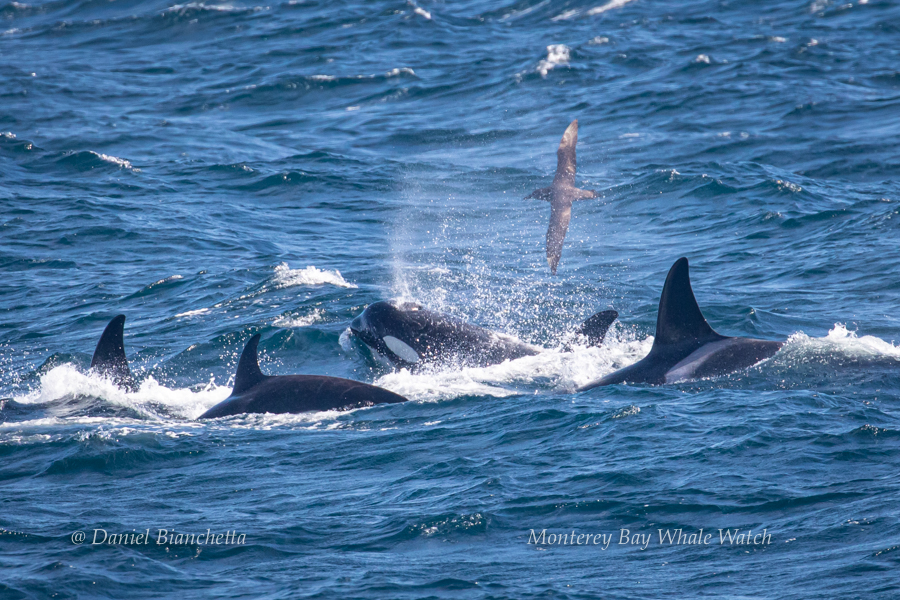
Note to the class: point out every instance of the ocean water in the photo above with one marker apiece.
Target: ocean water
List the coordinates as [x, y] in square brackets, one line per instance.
[213, 170]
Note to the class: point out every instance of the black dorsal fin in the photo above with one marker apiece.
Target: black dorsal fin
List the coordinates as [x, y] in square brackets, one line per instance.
[595, 328]
[248, 372]
[679, 319]
[109, 355]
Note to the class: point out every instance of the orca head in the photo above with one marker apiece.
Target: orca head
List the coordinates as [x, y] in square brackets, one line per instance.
[389, 330]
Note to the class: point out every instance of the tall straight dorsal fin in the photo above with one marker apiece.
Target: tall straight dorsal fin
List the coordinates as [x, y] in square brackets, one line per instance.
[679, 318]
[565, 156]
[248, 372]
[109, 355]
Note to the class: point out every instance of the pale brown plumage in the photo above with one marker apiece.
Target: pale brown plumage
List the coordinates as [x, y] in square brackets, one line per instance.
[561, 193]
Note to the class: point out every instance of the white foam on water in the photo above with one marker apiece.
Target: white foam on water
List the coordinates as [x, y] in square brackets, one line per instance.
[119, 162]
[557, 54]
[565, 16]
[193, 313]
[840, 339]
[304, 321]
[181, 406]
[324, 420]
[105, 428]
[399, 71]
[597, 10]
[287, 277]
[565, 370]
[181, 8]
[67, 381]
[166, 280]
[608, 6]
[598, 40]
[422, 12]
[525, 11]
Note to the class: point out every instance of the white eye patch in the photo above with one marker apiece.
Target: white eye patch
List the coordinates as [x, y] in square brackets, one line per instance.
[401, 349]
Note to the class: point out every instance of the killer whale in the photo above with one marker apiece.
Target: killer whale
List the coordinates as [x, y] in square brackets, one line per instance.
[254, 392]
[561, 193]
[685, 346]
[409, 336]
[109, 356]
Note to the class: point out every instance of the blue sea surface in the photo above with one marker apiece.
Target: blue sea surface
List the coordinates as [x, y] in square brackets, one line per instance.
[218, 169]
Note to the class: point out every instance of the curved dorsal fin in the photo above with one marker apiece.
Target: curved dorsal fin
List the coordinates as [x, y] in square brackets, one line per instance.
[679, 318]
[109, 355]
[248, 372]
[595, 328]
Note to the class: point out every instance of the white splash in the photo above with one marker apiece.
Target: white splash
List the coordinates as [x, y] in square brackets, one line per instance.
[558, 369]
[422, 12]
[401, 71]
[702, 59]
[599, 40]
[569, 14]
[565, 16]
[193, 313]
[847, 342]
[523, 12]
[557, 54]
[119, 162]
[67, 381]
[608, 6]
[287, 277]
[784, 184]
[288, 321]
[166, 280]
[182, 8]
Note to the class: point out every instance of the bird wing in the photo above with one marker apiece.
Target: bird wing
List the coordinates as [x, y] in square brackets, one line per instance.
[565, 156]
